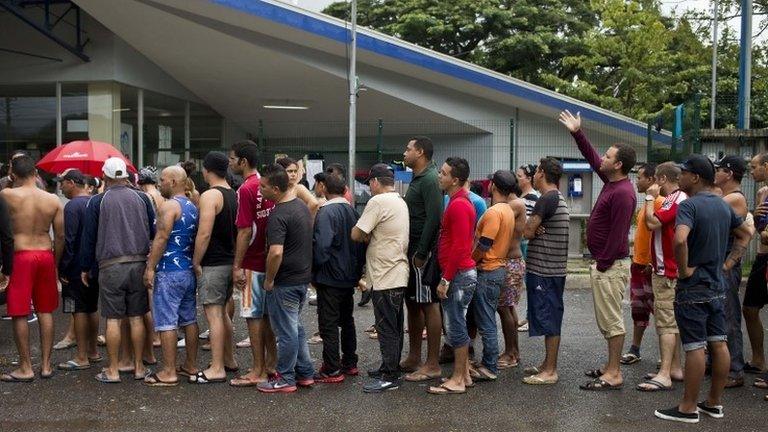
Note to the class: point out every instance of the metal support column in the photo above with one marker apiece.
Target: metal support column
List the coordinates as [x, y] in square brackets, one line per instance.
[714, 65]
[58, 115]
[187, 144]
[140, 128]
[353, 99]
[745, 64]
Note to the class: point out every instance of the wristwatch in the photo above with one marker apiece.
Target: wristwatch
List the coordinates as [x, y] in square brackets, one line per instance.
[649, 198]
[446, 282]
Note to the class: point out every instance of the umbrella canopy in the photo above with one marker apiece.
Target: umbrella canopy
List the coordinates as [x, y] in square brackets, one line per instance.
[87, 156]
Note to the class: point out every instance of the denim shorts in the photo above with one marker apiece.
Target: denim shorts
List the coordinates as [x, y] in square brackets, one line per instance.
[254, 304]
[460, 294]
[545, 304]
[173, 300]
[700, 316]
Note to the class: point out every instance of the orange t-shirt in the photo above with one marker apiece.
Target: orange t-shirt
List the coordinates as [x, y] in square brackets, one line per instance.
[642, 253]
[497, 224]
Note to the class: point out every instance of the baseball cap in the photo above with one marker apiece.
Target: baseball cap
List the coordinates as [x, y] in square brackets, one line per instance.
[71, 174]
[115, 168]
[380, 170]
[147, 175]
[735, 164]
[699, 165]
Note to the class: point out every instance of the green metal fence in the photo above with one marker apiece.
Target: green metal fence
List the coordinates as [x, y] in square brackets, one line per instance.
[675, 132]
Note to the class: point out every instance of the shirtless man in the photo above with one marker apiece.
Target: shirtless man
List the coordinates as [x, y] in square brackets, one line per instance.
[513, 287]
[33, 212]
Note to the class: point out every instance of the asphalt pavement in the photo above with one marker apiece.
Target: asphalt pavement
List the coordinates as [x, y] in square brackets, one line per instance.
[74, 401]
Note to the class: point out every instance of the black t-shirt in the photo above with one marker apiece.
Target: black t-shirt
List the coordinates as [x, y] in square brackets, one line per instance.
[221, 249]
[290, 225]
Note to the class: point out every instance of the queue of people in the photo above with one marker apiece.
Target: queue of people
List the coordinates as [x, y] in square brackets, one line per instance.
[142, 255]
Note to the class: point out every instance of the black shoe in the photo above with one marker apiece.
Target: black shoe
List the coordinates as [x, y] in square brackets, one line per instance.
[380, 385]
[674, 414]
[365, 298]
[714, 411]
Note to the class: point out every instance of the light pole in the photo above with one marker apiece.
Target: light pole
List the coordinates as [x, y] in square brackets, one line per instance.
[352, 78]
[745, 64]
[714, 65]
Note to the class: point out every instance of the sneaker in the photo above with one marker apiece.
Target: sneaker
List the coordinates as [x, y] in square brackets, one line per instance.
[245, 343]
[276, 385]
[350, 371]
[31, 317]
[205, 335]
[712, 411]
[329, 377]
[312, 294]
[182, 343]
[365, 298]
[674, 414]
[374, 373]
[305, 381]
[379, 386]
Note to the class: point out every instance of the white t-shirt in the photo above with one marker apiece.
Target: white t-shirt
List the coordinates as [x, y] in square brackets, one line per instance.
[385, 218]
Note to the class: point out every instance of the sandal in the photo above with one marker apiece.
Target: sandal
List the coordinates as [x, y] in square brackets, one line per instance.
[481, 374]
[505, 364]
[103, 378]
[48, 375]
[537, 380]
[531, 370]
[243, 381]
[97, 359]
[11, 378]
[630, 358]
[442, 389]
[748, 368]
[761, 383]
[420, 377]
[651, 375]
[470, 385]
[71, 365]
[594, 373]
[143, 376]
[153, 380]
[200, 378]
[655, 386]
[600, 385]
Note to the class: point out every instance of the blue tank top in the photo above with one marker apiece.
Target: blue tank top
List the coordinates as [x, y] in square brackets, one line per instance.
[181, 243]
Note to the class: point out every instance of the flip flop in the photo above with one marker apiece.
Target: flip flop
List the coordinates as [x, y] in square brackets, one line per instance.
[48, 375]
[419, 377]
[96, 359]
[143, 376]
[594, 373]
[504, 364]
[11, 378]
[630, 358]
[761, 383]
[443, 390]
[157, 382]
[180, 370]
[537, 380]
[480, 375]
[148, 363]
[470, 385]
[242, 381]
[71, 365]
[245, 343]
[103, 378]
[407, 369]
[600, 385]
[62, 345]
[531, 370]
[200, 378]
[656, 386]
[748, 368]
[651, 375]
[126, 371]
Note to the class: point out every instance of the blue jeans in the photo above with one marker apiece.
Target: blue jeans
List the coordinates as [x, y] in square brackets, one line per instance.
[284, 304]
[700, 316]
[484, 305]
[733, 320]
[460, 294]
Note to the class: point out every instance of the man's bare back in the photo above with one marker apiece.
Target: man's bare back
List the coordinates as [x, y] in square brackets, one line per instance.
[518, 207]
[32, 212]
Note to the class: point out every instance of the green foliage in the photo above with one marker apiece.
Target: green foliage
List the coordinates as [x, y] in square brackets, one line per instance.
[622, 55]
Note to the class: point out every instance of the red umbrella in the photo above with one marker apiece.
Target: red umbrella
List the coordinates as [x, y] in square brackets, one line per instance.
[87, 156]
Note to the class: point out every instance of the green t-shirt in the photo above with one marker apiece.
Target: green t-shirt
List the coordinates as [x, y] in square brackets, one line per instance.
[425, 208]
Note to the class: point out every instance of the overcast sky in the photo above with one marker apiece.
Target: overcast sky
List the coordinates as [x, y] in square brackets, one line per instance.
[678, 6]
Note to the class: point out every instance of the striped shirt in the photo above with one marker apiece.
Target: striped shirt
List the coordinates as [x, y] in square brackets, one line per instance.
[530, 201]
[548, 253]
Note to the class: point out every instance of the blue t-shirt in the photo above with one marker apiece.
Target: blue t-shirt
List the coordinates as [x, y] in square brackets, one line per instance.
[711, 221]
[476, 200]
[74, 216]
[178, 252]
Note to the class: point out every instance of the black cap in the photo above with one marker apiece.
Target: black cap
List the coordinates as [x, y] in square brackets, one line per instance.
[699, 165]
[380, 170]
[72, 174]
[735, 164]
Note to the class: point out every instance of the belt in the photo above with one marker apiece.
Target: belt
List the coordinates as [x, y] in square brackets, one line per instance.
[121, 260]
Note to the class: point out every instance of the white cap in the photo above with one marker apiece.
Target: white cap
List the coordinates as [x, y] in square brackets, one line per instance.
[115, 168]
